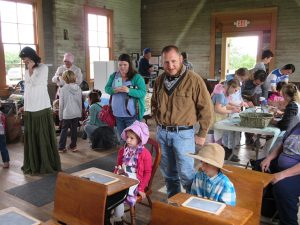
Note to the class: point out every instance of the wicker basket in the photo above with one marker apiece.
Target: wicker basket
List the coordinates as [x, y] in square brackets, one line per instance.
[256, 120]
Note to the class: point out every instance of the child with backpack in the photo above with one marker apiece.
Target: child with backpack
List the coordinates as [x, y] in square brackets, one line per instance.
[93, 121]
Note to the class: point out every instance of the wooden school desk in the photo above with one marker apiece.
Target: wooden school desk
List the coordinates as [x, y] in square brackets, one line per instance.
[116, 192]
[229, 215]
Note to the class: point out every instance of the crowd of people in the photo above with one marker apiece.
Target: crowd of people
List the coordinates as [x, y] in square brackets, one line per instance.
[180, 100]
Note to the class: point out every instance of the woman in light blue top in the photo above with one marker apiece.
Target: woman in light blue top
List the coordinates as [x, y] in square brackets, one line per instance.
[128, 91]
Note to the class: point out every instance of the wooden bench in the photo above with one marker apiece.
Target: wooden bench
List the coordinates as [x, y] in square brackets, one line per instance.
[78, 201]
[249, 186]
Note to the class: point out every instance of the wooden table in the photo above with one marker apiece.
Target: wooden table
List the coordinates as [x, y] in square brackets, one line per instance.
[122, 184]
[18, 215]
[116, 192]
[237, 215]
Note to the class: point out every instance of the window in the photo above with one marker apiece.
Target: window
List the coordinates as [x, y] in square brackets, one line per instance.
[17, 31]
[98, 26]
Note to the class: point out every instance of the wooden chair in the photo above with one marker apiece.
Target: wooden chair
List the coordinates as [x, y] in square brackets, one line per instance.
[249, 186]
[78, 201]
[155, 151]
[165, 214]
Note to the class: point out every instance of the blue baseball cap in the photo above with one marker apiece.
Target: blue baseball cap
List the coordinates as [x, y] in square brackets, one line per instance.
[146, 50]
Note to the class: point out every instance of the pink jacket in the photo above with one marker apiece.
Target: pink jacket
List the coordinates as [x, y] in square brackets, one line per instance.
[144, 167]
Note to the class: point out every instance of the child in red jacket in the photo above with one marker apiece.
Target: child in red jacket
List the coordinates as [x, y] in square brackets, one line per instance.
[135, 161]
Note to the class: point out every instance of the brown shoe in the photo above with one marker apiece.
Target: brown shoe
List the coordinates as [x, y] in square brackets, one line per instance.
[6, 165]
[74, 149]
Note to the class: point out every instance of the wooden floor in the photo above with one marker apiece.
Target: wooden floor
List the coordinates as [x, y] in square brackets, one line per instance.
[13, 177]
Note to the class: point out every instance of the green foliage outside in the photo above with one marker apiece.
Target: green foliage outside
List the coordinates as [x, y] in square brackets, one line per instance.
[12, 60]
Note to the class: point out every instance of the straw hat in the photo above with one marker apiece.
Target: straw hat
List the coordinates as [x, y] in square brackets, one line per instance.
[212, 154]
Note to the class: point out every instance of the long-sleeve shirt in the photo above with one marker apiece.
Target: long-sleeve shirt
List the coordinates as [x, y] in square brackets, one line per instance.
[144, 167]
[36, 96]
[57, 78]
[290, 117]
[218, 188]
[188, 104]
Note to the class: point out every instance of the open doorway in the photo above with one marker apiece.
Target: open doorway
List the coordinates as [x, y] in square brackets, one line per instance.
[239, 50]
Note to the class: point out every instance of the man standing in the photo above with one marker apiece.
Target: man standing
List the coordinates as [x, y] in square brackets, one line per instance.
[68, 65]
[145, 68]
[180, 99]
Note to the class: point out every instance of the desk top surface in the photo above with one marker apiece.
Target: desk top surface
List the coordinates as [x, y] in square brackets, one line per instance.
[236, 215]
[123, 182]
[256, 176]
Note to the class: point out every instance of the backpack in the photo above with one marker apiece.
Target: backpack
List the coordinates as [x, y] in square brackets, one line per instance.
[106, 115]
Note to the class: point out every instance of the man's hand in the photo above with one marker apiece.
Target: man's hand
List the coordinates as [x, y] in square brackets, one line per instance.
[199, 140]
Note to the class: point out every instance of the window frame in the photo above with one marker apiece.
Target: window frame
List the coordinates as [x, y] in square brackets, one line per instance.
[101, 12]
[37, 19]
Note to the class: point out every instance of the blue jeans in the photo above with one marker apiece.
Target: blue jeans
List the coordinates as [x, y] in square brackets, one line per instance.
[124, 122]
[3, 148]
[175, 165]
[89, 129]
[66, 124]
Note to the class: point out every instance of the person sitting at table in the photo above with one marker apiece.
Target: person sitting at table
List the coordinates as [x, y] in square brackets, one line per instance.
[284, 163]
[291, 114]
[242, 74]
[93, 121]
[276, 99]
[134, 161]
[220, 99]
[209, 182]
[249, 88]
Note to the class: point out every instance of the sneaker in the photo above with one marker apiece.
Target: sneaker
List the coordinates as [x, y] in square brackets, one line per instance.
[62, 150]
[74, 149]
[6, 165]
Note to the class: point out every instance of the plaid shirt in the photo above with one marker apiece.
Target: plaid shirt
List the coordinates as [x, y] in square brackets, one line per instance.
[218, 188]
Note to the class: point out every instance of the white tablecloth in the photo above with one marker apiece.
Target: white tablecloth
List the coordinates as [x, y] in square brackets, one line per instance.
[233, 124]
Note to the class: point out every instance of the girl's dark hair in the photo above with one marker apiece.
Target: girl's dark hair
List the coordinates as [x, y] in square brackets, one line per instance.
[31, 54]
[95, 96]
[289, 67]
[260, 75]
[131, 70]
[267, 54]
[280, 85]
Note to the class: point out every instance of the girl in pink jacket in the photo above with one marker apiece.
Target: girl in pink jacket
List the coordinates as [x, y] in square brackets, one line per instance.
[134, 161]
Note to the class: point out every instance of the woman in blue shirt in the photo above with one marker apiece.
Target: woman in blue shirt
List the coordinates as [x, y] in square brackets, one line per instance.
[128, 91]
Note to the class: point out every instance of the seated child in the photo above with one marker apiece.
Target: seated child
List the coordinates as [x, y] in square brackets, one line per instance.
[209, 182]
[135, 161]
[276, 99]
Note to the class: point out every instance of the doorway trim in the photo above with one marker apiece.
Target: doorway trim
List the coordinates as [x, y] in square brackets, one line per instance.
[239, 34]
[261, 19]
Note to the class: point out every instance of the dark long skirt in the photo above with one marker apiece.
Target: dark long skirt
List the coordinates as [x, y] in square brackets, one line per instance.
[40, 150]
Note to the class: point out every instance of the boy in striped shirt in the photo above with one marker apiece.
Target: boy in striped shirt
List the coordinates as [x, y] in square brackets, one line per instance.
[209, 182]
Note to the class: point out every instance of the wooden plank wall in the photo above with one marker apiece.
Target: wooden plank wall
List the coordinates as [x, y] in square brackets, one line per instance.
[69, 14]
[187, 23]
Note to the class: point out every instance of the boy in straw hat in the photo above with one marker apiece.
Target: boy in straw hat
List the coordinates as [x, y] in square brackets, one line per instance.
[209, 182]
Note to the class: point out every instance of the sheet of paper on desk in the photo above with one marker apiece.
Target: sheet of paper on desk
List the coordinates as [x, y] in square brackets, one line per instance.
[14, 218]
[204, 205]
[100, 178]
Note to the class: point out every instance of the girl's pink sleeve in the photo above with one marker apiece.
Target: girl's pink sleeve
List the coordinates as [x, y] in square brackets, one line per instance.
[147, 160]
